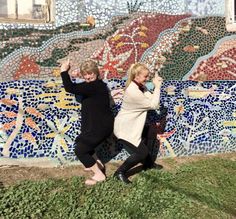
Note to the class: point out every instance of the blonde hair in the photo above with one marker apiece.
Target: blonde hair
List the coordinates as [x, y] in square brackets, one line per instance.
[89, 66]
[135, 69]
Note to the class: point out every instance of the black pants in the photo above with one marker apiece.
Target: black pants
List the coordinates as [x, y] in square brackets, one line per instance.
[137, 155]
[84, 154]
[149, 137]
[85, 147]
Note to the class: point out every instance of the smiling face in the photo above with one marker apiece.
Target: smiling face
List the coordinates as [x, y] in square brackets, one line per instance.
[89, 76]
[89, 71]
[142, 77]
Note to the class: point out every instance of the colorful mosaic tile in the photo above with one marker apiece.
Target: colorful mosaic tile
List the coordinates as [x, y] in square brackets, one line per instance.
[184, 41]
[177, 50]
[127, 45]
[40, 121]
[219, 65]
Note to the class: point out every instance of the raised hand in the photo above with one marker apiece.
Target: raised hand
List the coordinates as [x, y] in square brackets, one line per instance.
[65, 66]
[157, 80]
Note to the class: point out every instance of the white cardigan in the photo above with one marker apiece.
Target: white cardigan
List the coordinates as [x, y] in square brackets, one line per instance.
[130, 121]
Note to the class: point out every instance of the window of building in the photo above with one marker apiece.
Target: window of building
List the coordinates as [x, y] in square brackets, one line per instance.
[39, 11]
[230, 13]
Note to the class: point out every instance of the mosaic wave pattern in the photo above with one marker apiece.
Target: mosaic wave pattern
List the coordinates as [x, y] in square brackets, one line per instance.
[220, 63]
[177, 50]
[35, 54]
[42, 120]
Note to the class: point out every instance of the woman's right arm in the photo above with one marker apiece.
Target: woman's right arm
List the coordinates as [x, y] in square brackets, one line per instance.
[71, 87]
[74, 88]
[68, 84]
[155, 97]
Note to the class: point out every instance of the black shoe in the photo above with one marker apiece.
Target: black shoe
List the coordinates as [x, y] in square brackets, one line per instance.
[122, 177]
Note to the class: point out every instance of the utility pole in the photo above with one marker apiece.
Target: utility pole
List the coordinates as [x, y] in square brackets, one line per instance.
[16, 9]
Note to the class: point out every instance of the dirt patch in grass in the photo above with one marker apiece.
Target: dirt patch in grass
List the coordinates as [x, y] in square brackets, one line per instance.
[10, 175]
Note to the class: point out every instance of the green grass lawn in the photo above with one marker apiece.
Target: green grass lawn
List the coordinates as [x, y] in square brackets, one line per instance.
[202, 189]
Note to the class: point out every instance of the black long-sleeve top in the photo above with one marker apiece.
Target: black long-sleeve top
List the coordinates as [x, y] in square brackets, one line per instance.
[96, 115]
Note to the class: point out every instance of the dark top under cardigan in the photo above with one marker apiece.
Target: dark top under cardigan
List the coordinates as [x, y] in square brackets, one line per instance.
[96, 116]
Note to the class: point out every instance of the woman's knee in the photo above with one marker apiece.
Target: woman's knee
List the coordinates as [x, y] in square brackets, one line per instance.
[143, 152]
[79, 149]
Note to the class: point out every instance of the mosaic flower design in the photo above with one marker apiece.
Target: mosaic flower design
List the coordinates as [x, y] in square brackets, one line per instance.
[129, 43]
[129, 39]
[59, 136]
[110, 63]
[179, 109]
[196, 121]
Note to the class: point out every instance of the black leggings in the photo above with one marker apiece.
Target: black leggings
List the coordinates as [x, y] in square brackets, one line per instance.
[137, 155]
[84, 154]
[85, 148]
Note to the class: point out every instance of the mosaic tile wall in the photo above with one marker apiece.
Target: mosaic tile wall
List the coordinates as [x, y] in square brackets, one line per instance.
[186, 42]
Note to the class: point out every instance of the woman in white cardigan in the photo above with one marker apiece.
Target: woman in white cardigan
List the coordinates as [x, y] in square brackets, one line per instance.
[130, 121]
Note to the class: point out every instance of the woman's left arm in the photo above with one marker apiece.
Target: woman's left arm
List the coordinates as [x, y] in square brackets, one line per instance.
[145, 101]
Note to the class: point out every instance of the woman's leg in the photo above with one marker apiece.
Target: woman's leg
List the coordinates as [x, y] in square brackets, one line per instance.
[83, 153]
[98, 161]
[138, 154]
[91, 153]
[149, 161]
[150, 135]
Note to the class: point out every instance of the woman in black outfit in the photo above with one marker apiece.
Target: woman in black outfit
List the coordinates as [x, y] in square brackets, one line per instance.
[96, 116]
